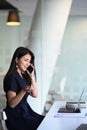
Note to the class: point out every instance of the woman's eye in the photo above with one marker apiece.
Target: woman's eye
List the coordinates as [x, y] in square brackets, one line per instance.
[26, 59]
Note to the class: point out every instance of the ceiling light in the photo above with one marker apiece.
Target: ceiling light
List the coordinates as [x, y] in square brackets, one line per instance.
[13, 18]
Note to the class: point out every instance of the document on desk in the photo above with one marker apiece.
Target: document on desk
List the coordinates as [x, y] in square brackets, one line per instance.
[68, 115]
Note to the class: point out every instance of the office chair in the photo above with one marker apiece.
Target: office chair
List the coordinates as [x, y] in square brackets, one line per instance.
[3, 117]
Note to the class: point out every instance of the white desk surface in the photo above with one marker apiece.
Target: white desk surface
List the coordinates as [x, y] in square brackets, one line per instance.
[51, 122]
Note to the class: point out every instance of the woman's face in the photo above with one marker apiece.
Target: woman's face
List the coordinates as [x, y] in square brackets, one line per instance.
[23, 62]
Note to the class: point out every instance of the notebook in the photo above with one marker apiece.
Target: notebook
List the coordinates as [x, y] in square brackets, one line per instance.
[70, 108]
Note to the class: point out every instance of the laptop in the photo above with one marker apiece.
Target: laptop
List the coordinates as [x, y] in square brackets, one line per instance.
[70, 106]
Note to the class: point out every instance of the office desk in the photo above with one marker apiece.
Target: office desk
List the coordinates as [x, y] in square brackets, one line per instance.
[51, 122]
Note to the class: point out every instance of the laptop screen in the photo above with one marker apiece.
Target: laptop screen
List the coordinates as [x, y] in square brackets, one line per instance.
[79, 100]
[72, 107]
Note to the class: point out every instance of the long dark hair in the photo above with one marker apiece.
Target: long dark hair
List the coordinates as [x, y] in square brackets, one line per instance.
[19, 52]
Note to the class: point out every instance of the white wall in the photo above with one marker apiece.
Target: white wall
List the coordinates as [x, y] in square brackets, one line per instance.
[45, 40]
[10, 39]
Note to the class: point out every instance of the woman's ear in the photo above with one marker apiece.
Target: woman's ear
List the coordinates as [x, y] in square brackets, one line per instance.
[16, 59]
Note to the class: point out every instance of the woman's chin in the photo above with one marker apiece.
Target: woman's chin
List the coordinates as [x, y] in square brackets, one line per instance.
[24, 69]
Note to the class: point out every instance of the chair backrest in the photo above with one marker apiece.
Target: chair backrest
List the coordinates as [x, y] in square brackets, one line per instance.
[3, 117]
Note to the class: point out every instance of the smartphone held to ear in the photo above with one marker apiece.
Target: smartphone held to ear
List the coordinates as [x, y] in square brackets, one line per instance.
[30, 69]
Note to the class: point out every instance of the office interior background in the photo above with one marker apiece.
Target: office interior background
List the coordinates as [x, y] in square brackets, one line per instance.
[56, 31]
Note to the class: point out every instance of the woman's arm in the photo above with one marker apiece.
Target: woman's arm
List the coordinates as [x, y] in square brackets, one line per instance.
[33, 91]
[14, 99]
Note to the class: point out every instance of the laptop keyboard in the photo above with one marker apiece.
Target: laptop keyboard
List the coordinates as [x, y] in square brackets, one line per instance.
[69, 110]
[64, 110]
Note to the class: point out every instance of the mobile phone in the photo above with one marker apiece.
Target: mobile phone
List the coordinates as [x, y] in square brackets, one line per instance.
[30, 69]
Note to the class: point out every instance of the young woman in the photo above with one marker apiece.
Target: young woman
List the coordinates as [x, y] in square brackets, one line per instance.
[19, 82]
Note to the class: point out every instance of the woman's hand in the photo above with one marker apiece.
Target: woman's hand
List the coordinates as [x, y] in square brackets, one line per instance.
[27, 88]
[33, 91]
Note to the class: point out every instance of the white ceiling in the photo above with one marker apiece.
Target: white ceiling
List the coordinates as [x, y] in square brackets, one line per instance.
[79, 7]
[26, 7]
